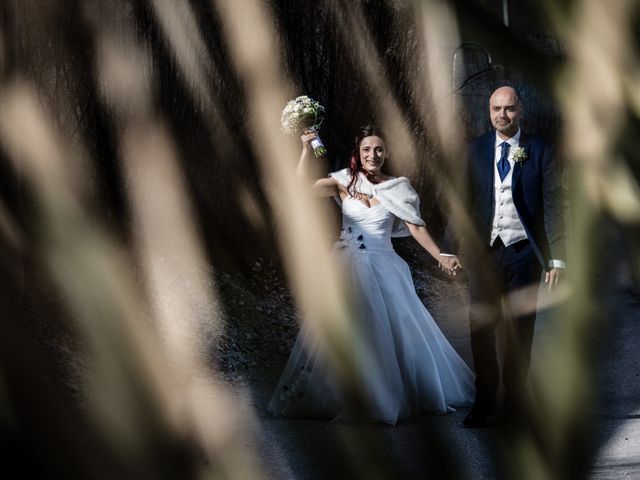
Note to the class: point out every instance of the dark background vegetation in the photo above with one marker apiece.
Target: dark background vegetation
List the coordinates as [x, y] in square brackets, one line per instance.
[53, 46]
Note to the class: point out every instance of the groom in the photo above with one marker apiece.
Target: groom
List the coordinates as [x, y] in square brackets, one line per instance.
[514, 204]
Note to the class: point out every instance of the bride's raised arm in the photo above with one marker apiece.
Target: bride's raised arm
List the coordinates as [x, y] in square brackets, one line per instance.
[325, 187]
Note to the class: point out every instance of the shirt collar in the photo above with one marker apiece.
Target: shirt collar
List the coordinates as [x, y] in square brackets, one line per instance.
[513, 141]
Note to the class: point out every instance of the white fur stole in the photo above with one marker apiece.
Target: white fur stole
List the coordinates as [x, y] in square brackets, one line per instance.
[396, 195]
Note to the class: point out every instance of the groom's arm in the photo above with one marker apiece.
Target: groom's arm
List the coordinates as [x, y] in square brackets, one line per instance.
[553, 206]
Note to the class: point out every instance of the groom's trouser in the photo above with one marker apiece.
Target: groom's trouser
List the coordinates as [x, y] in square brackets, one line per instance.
[500, 271]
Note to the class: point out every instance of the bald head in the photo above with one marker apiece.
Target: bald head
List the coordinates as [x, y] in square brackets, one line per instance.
[505, 110]
[506, 91]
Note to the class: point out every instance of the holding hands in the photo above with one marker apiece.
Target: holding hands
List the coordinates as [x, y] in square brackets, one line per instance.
[450, 264]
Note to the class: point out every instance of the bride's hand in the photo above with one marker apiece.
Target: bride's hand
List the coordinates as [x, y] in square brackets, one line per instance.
[306, 138]
[451, 265]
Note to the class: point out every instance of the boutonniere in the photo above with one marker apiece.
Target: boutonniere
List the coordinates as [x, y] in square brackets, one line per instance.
[519, 155]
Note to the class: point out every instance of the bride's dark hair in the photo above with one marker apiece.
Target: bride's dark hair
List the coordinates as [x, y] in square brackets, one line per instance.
[355, 165]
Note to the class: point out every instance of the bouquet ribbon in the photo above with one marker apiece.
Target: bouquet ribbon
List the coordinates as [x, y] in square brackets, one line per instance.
[318, 147]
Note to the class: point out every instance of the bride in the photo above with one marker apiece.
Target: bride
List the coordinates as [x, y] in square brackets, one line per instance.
[411, 367]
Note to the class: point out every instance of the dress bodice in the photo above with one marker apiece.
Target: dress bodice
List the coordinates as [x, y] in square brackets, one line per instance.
[366, 228]
[397, 196]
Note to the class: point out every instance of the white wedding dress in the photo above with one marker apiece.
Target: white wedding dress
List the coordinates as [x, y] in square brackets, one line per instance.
[409, 366]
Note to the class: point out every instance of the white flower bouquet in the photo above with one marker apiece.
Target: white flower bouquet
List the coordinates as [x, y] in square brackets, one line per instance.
[303, 113]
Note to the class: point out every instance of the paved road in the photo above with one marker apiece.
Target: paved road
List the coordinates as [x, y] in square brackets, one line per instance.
[617, 379]
[418, 448]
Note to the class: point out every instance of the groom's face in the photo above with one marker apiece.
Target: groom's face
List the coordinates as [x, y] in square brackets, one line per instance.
[505, 110]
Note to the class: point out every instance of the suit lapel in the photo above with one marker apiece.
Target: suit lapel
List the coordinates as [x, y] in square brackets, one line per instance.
[487, 157]
[517, 167]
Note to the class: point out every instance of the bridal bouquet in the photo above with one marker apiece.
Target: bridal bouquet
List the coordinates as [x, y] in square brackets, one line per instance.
[301, 113]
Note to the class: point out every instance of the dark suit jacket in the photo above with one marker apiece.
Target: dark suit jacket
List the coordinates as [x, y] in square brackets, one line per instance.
[537, 196]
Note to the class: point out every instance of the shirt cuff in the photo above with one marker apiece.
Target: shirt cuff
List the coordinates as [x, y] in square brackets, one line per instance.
[555, 264]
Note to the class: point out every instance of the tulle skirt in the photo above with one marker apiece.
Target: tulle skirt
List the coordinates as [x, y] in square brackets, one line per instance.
[404, 365]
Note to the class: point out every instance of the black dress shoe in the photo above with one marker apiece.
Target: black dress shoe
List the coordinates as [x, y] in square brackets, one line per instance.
[479, 417]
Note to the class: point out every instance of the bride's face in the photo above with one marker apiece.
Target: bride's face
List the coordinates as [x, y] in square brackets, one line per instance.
[373, 153]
